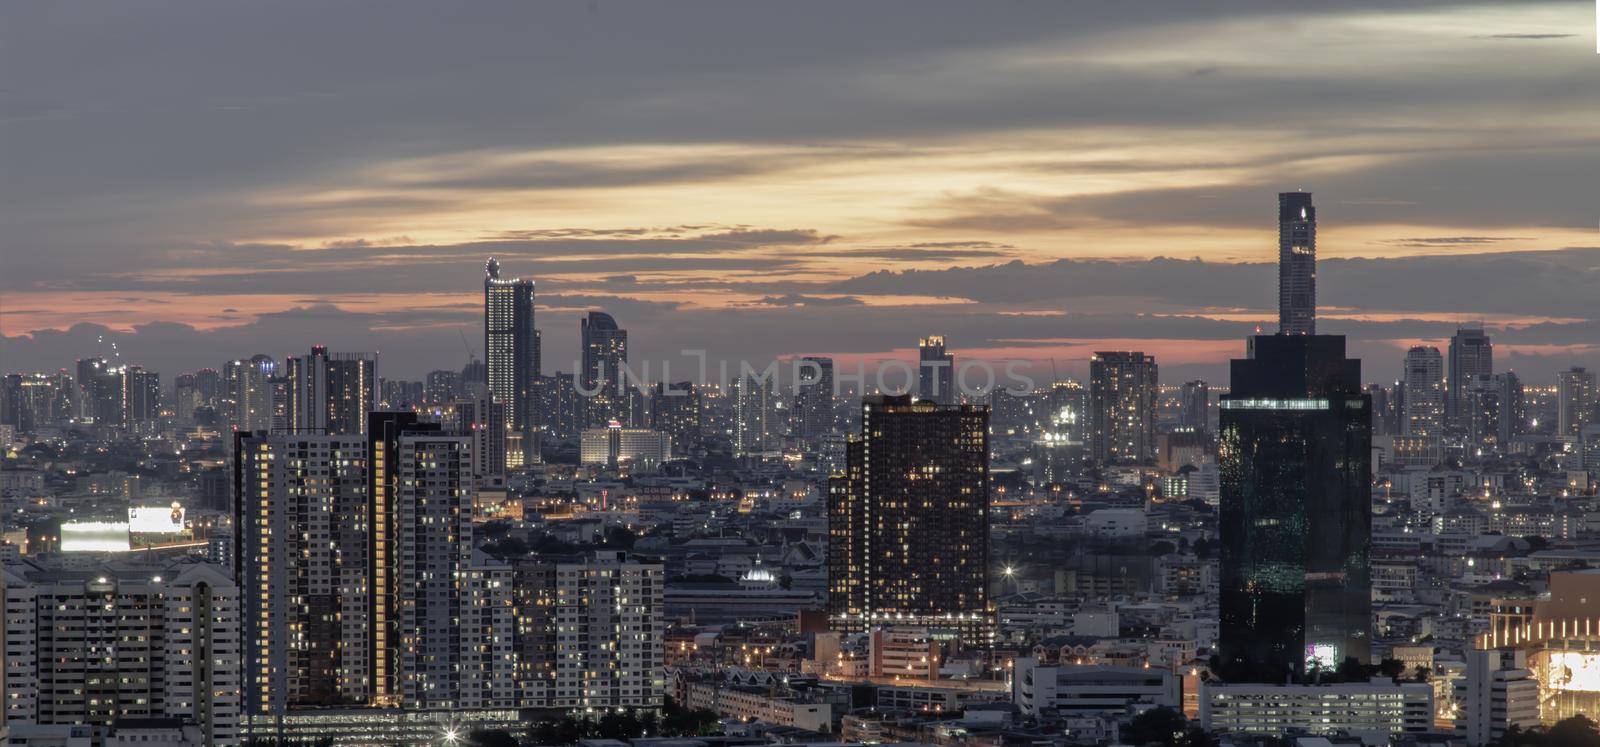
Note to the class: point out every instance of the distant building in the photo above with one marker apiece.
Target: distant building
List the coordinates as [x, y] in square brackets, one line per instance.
[1424, 390]
[1471, 357]
[510, 347]
[1577, 397]
[614, 446]
[936, 369]
[814, 400]
[331, 392]
[1122, 403]
[1297, 264]
[675, 411]
[602, 395]
[1068, 690]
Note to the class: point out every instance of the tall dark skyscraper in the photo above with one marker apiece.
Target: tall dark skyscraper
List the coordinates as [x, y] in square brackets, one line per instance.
[1196, 405]
[1122, 406]
[813, 401]
[908, 522]
[1296, 515]
[1471, 357]
[605, 352]
[1297, 264]
[511, 346]
[936, 371]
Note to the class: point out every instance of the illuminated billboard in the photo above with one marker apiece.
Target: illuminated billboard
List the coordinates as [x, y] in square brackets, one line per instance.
[1572, 671]
[94, 536]
[156, 519]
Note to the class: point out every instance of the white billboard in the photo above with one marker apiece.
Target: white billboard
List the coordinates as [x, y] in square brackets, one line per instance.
[156, 519]
[94, 536]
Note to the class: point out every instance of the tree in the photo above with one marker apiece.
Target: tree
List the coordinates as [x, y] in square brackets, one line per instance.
[1577, 731]
[1162, 726]
[491, 738]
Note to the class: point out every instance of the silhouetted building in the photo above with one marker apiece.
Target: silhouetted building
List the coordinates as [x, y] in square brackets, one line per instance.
[605, 353]
[1296, 514]
[1471, 356]
[936, 370]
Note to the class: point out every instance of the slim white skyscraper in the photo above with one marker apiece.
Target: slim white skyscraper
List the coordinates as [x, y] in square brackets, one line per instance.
[510, 345]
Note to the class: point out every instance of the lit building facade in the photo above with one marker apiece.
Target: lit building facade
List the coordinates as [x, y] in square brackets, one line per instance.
[330, 392]
[511, 346]
[936, 371]
[1122, 403]
[908, 522]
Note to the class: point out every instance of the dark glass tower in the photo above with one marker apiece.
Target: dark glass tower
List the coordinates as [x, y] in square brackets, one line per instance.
[605, 353]
[908, 522]
[1297, 264]
[936, 371]
[1296, 518]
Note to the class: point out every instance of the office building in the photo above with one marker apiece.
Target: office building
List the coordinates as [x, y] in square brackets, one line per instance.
[1577, 397]
[330, 392]
[603, 390]
[1471, 357]
[1296, 516]
[1423, 378]
[1122, 403]
[441, 386]
[1379, 712]
[1039, 688]
[1498, 692]
[936, 371]
[1297, 264]
[510, 346]
[908, 522]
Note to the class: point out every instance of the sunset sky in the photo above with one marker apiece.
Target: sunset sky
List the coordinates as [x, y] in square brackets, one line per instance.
[1033, 180]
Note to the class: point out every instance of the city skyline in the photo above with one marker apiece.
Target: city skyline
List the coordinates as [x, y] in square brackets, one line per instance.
[906, 208]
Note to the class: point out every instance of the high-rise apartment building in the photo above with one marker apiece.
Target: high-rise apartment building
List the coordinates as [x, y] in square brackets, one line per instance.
[511, 346]
[121, 641]
[1122, 403]
[1196, 399]
[755, 427]
[1296, 514]
[301, 547]
[330, 392]
[248, 392]
[908, 522]
[609, 624]
[141, 399]
[1577, 398]
[814, 398]
[675, 411]
[936, 371]
[603, 396]
[1471, 357]
[1423, 379]
[1297, 264]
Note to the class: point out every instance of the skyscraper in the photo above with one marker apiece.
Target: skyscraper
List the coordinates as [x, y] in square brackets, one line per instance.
[813, 401]
[936, 370]
[754, 420]
[248, 397]
[1196, 397]
[1297, 264]
[301, 537]
[1122, 402]
[675, 411]
[908, 522]
[1471, 356]
[1296, 514]
[510, 346]
[605, 354]
[1576, 400]
[1423, 378]
[330, 392]
[141, 391]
